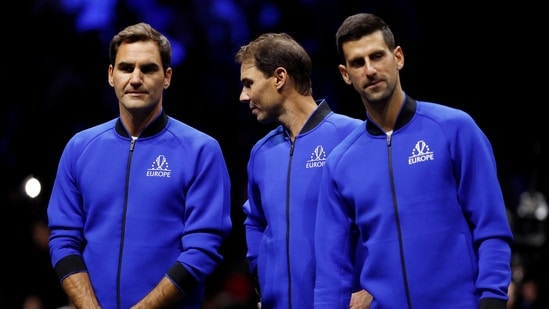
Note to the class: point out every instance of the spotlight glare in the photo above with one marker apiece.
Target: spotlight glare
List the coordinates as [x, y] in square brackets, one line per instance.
[32, 187]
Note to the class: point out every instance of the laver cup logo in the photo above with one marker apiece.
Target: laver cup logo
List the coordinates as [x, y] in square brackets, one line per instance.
[421, 153]
[317, 159]
[159, 168]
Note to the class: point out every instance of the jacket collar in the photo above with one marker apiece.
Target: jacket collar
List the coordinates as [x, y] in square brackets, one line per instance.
[153, 128]
[317, 116]
[406, 113]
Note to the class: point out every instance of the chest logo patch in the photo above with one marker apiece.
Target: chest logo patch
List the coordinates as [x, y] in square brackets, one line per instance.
[159, 168]
[317, 158]
[421, 153]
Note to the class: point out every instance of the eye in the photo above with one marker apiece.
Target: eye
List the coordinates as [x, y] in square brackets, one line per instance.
[150, 68]
[357, 62]
[125, 67]
[377, 56]
[246, 83]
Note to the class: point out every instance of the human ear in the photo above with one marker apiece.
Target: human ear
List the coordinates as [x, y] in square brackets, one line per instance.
[343, 70]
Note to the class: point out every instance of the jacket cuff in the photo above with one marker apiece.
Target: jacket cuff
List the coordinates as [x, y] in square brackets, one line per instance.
[181, 277]
[68, 265]
[492, 303]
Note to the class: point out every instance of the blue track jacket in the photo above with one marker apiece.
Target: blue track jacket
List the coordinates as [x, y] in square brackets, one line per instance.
[430, 210]
[132, 211]
[283, 182]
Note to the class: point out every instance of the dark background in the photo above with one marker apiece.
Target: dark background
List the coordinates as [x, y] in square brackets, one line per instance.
[488, 60]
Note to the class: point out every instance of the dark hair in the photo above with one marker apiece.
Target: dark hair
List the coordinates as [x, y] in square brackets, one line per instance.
[142, 32]
[356, 26]
[272, 50]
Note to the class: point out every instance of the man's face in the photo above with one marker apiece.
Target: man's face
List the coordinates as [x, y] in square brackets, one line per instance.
[371, 68]
[137, 76]
[260, 93]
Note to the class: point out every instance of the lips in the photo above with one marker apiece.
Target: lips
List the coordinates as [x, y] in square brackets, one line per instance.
[134, 93]
[373, 84]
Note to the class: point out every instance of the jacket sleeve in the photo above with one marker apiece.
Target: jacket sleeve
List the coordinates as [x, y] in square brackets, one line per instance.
[253, 238]
[334, 248]
[254, 227]
[483, 205]
[208, 220]
[66, 217]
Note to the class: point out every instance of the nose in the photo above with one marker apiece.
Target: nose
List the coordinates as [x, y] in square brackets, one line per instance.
[244, 97]
[136, 77]
[370, 69]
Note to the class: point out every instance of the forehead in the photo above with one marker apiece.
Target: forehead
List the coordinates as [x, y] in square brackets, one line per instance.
[366, 45]
[141, 51]
[249, 71]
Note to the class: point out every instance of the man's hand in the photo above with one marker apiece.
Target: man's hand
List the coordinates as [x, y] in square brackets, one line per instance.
[361, 300]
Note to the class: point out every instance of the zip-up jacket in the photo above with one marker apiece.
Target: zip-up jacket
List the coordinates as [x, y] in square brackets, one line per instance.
[283, 179]
[130, 211]
[430, 210]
